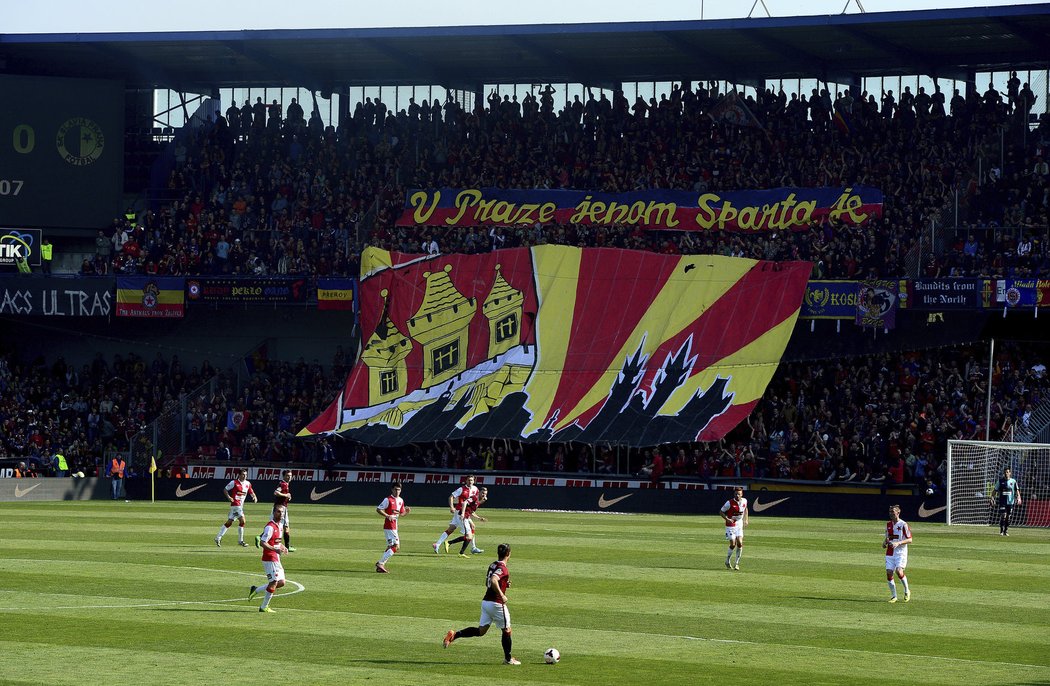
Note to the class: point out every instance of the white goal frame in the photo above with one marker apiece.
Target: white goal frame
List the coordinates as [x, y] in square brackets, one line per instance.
[982, 472]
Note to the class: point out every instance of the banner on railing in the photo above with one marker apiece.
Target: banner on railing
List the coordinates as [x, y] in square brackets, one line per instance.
[33, 296]
[830, 300]
[776, 209]
[151, 296]
[877, 304]
[335, 293]
[1011, 293]
[247, 289]
[941, 294]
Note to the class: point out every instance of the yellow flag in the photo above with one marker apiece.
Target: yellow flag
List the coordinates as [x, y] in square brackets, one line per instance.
[152, 465]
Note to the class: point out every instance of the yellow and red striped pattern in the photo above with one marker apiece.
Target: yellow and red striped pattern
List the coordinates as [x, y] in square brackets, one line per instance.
[589, 315]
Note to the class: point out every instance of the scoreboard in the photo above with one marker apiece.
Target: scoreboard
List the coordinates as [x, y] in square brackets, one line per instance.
[61, 152]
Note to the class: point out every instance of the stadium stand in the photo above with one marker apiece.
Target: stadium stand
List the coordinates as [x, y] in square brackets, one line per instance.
[292, 199]
[270, 192]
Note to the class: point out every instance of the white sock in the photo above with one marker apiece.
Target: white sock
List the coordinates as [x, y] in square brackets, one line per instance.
[240, 534]
[738, 551]
[386, 556]
[904, 581]
[442, 538]
[474, 543]
[893, 588]
[266, 600]
[222, 531]
[729, 555]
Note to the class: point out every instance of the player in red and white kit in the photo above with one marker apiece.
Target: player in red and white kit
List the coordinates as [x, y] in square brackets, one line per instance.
[390, 509]
[468, 533]
[282, 495]
[236, 491]
[493, 606]
[455, 506]
[734, 512]
[271, 558]
[898, 536]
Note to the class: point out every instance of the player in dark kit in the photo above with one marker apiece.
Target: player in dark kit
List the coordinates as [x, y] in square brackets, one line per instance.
[493, 606]
[1009, 495]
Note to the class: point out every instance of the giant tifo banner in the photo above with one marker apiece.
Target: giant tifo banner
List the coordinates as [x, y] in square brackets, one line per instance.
[777, 209]
[557, 343]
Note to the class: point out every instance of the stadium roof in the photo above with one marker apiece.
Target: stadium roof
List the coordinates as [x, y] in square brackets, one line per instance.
[840, 48]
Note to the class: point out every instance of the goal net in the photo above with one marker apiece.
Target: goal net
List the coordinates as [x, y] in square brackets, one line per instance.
[974, 470]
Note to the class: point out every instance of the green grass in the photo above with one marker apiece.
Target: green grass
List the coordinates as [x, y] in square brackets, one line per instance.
[112, 593]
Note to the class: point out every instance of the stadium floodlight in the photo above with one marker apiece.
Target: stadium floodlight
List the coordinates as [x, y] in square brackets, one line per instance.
[974, 469]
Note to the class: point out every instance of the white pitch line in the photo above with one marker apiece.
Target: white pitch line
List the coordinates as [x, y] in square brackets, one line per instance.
[853, 650]
[160, 603]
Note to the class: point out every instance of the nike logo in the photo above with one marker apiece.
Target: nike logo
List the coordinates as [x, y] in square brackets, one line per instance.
[181, 492]
[924, 513]
[19, 492]
[759, 507]
[314, 495]
[603, 503]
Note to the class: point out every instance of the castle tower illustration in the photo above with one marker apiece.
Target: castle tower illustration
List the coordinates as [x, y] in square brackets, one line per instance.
[440, 326]
[503, 309]
[384, 355]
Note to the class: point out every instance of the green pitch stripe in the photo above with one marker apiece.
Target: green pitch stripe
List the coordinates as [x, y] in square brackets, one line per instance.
[640, 599]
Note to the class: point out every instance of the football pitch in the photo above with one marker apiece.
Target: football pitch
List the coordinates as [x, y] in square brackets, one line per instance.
[111, 593]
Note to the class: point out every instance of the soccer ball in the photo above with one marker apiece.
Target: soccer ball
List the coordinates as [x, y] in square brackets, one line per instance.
[551, 656]
[929, 491]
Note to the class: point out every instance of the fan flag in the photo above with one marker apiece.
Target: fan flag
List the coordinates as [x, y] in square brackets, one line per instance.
[556, 343]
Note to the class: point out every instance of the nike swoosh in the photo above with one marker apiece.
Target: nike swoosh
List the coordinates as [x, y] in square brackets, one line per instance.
[19, 492]
[603, 503]
[314, 495]
[924, 513]
[181, 492]
[758, 507]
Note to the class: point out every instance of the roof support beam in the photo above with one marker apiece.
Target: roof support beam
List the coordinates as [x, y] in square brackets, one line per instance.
[1035, 39]
[290, 74]
[583, 73]
[383, 46]
[790, 53]
[703, 59]
[924, 64]
[149, 71]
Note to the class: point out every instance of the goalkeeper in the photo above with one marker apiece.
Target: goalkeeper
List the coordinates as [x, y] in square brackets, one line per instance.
[1009, 495]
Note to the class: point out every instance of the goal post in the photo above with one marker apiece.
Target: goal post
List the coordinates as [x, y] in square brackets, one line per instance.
[974, 469]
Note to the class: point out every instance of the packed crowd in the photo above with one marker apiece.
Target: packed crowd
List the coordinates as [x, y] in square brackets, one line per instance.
[263, 192]
[888, 417]
[53, 408]
[259, 422]
[879, 419]
[266, 192]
